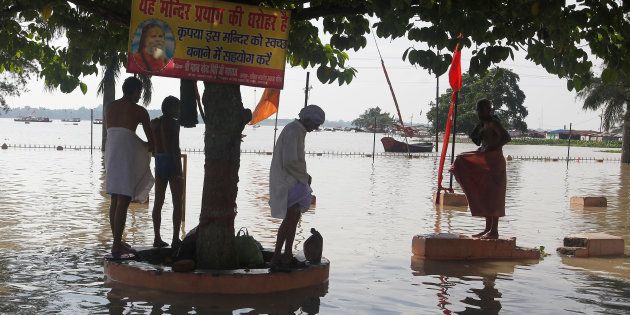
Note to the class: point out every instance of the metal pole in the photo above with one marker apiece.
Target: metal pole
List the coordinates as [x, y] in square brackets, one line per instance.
[275, 129]
[569, 145]
[374, 141]
[453, 144]
[91, 129]
[437, 108]
[308, 74]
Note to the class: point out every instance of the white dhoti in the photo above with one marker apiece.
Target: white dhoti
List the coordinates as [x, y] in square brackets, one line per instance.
[127, 165]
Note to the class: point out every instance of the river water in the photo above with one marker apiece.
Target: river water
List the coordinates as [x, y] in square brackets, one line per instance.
[54, 231]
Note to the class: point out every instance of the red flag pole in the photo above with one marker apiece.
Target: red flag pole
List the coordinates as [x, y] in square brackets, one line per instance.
[455, 80]
[455, 93]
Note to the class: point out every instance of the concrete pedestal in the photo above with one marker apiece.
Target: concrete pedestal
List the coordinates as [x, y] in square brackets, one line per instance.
[450, 199]
[592, 245]
[446, 246]
[588, 201]
[239, 281]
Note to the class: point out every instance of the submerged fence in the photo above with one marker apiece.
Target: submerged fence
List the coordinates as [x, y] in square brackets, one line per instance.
[334, 153]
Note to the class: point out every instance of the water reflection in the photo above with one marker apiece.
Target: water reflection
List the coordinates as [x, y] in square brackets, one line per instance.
[445, 276]
[54, 231]
[123, 300]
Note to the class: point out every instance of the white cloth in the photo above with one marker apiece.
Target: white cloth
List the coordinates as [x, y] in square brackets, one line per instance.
[127, 165]
[313, 113]
[288, 166]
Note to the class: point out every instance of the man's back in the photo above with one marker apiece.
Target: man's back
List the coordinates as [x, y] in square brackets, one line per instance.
[166, 134]
[122, 113]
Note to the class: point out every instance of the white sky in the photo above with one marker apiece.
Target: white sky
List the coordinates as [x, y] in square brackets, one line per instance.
[550, 104]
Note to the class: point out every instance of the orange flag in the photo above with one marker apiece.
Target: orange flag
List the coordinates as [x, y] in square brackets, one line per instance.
[267, 106]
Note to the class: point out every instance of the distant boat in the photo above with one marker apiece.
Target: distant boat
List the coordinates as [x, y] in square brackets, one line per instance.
[392, 145]
[71, 120]
[98, 121]
[29, 119]
[255, 126]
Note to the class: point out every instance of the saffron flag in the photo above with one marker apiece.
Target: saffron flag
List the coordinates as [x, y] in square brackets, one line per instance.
[455, 79]
[455, 72]
[267, 106]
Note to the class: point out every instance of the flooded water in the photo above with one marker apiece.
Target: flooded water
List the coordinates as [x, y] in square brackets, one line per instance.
[54, 231]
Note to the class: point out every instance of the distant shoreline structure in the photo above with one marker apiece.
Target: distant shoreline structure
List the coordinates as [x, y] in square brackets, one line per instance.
[83, 113]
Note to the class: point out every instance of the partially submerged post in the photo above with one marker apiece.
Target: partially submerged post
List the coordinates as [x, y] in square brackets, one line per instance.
[91, 129]
[569, 145]
[374, 141]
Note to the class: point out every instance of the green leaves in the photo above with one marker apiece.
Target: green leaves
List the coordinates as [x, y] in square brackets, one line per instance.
[552, 33]
[84, 88]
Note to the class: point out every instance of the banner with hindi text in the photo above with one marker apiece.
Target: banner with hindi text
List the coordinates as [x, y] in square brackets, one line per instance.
[206, 40]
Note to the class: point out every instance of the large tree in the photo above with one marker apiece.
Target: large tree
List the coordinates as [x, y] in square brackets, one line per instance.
[384, 120]
[554, 35]
[499, 85]
[614, 100]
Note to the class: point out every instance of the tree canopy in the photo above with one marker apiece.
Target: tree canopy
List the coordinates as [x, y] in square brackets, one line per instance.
[556, 36]
[499, 85]
[612, 98]
[384, 120]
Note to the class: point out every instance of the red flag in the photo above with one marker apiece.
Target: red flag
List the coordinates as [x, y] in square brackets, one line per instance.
[455, 79]
[267, 106]
[455, 72]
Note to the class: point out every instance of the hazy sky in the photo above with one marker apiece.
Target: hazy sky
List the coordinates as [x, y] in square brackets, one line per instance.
[550, 104]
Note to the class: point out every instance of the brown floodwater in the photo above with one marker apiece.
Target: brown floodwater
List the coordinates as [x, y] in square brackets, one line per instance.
[54, 231]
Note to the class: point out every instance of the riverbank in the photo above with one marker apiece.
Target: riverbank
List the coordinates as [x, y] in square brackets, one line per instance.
[559, 142]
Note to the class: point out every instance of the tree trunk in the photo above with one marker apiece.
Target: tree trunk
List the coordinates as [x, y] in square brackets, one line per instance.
[225, 121]
[625, 146]
[109, 95]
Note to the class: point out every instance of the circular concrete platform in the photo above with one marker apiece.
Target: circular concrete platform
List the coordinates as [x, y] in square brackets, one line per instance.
[239, 281]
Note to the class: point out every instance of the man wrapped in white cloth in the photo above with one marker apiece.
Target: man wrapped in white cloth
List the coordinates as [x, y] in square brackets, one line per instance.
[127, 159]
[289, 182]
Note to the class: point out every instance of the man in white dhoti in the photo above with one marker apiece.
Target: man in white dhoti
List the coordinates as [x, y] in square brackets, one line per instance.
[127, 158]
[289, 183]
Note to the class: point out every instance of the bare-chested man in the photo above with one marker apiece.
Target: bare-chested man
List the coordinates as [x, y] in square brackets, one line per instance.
[125, 157]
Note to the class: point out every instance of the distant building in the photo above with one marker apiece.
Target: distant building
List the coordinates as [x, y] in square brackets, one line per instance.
[528, 134]
[586, 135]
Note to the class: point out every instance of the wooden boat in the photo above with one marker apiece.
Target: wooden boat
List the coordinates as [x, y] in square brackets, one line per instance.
[74, 120]
[392, 145]
[98, 121]
[28, 119]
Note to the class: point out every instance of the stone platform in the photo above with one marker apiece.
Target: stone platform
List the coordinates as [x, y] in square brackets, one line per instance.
[446, 246]
[588, 201]
[450, 199]
[592, 245]
[238, 281]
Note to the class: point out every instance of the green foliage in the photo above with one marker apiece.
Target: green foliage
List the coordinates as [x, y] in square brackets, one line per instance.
[499, 85]
[543, 253]
[554, 35]
[612, 97]
[10, 85]
[563, 142]
[384, 120]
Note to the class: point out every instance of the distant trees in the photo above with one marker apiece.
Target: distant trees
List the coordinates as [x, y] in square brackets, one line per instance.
[11, 84]
[366, 121]
[499, 85]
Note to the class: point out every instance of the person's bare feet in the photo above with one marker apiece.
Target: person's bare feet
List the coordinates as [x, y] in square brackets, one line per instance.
[159, 243]
[119, 250]
[490, 236]
[175, 243]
